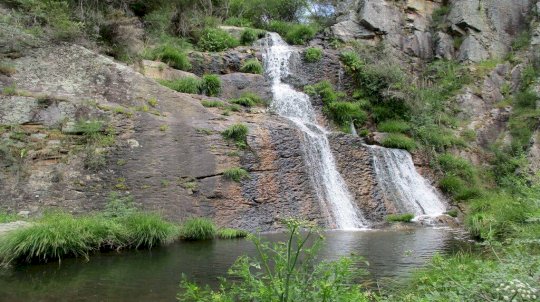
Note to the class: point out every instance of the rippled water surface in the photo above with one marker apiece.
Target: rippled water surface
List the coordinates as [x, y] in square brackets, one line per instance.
[154, 275]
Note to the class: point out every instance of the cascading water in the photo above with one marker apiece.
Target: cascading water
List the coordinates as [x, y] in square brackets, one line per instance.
[296, 106]
[403, 185]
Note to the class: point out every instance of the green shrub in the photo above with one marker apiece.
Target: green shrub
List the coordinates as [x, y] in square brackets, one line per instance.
[343, 113]
[211, 85]
[400, 217]
[300, 34]
[198, 229]
[7, 217]
[452, 184]
[244, 101]
[252, 66]
[400, 141]
[146, 230]
[89, 128]
[250, 35]
[522, 40]
[313, 54]
[240, 22]
[172, 56]
[207, 103]
[231, 233]
[394, 126]
[526, 99]
[237, 174]
[190, 85]
[457, 166]
[215, 39]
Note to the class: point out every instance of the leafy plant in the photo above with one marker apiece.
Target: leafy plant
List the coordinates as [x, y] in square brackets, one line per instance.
[211, 85]
[214, 39]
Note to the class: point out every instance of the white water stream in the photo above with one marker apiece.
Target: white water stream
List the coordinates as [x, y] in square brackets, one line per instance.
[403, 185]
[331, 189]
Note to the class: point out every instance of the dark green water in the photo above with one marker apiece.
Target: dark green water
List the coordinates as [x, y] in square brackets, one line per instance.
[154, 275]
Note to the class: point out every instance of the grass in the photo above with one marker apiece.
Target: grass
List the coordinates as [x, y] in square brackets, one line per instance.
[237, 133]
[172, 56]
[211, 85]
[394, 126]
[7, 69]
[198, 229]
[7, 217]
[344, 113]
[215, 39]
[59, 235]
[252, 66]
[212, 104]
[153, 102]
[250, 35]
[248, 99]
[190, 85]
[236, 174]
[400, 217]
[399, 141]
[229, 233]
[313, 54]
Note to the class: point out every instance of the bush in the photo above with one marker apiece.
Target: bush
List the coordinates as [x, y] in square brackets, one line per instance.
[244, 101]
[231, 233]
[400, 141]
[400, 217]
[300, 34]
[198, 229]
[394, 126]
[343, 113]
[59, 235]
[207, 103]
[252, 66]
[457, 166]
[452, 184]
[236, 174]
[240, 22]
[250, 35]
[526, 99]
[172, 56]
[211, 85]
[214, 39]
[313, 54]
[190, 85]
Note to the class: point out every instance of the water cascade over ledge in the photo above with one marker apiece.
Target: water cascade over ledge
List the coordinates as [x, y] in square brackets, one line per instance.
[401, 184]
[335, 199]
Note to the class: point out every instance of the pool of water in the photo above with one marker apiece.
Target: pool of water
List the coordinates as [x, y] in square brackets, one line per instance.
[155, 275]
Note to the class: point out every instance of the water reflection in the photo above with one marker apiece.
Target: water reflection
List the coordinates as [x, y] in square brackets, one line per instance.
[155, 275]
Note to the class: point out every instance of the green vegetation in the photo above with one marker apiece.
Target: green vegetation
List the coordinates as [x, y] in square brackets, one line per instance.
[228, 233]
[294, 33]
[238, 134]
[214, 39]
[236, 174]
[400, 217]
[250, 35]
[252, 66]
[171, 55]
[394, 126]
[211, 85]
[284, 271]
[7, 69]
[212, 104]
[7, 217]
[313, 54]
[399, 141]
[59, 235]
[153, 102]
[198, 229]
[186, 85]
[248, 99]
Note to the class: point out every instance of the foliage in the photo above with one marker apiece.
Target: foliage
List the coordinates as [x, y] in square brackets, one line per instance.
[170, 55]
[285, 271]
[198, 229]
[248, 99]
[236, 174]
[300, 34]
[313, 54]
[186, 85]
[211, 85]
[214, 39]
[7, 69]
[522, 40]
[237, 133]
[250, 35]
[236, 21]
[343, 113]
[231, 233]
[207, 103]
[252, 66]
[6, 217]
[400, 217]
[58, 235]
[394, 126]
[399, 141]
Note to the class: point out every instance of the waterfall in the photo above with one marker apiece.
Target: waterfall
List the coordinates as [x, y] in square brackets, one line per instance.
[401, 184]
[330, 187]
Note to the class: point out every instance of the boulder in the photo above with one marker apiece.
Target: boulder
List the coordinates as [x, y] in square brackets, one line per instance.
[233, 85]
[161, 71]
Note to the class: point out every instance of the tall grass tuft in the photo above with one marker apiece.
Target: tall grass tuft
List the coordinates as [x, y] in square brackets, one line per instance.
[400, 217]
[211, 85]
[237, 133]
[172, 56]
[190, 85]
[236, 174]
[198, 229]
[228, 233]
[252, 66]
[147, 230]
[400, 141]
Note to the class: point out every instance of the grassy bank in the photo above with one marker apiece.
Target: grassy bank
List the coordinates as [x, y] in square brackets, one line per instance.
[59, 235]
